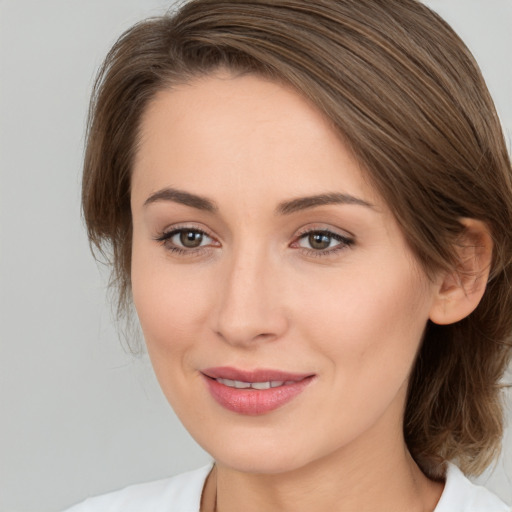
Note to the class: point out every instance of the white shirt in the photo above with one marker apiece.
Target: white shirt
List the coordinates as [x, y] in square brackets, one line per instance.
[182, 493]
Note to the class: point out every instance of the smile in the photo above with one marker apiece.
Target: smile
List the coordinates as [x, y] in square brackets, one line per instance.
[254, 392]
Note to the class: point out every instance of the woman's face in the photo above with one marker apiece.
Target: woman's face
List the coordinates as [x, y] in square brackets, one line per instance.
[262, 257]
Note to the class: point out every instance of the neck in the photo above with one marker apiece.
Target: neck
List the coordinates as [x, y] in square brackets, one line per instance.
[369, 476]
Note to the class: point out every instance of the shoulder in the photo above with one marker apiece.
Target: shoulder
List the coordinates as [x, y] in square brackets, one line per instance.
[182, 492]
[461, 495]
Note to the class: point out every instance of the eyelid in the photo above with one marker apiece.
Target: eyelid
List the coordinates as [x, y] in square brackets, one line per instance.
[165, 236]
[325, 228]
[346, 240]
[191, 226]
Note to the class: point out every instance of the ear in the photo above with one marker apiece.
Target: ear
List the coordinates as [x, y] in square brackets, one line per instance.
[460, 291]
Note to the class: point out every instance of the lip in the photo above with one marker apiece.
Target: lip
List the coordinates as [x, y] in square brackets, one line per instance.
[254, 402]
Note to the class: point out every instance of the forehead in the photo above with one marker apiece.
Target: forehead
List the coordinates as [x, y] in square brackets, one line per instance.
[245, 131]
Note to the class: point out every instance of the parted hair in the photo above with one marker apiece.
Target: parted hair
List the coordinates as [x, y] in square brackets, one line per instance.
[406, 95]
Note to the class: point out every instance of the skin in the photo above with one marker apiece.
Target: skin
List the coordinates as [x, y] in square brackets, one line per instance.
[255, 294]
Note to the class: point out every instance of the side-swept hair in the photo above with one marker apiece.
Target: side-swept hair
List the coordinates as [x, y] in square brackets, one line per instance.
[407, 96]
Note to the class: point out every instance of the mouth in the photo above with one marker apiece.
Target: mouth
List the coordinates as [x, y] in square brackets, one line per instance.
[254, 392]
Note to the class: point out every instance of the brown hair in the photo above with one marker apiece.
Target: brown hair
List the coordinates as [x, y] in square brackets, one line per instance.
[406, 94]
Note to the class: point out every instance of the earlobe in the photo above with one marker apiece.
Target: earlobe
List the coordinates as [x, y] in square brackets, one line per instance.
[459, 292]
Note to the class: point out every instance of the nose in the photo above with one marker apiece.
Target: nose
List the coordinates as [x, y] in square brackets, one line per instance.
[249, 306]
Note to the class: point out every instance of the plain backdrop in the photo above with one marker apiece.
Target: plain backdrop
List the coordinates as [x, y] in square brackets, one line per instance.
[79, 415]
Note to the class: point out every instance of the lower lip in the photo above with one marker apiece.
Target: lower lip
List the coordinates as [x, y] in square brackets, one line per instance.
[254, 402]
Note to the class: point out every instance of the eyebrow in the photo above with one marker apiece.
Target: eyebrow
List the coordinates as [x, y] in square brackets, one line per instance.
[182, 197]
[284, 208]
[303, 203]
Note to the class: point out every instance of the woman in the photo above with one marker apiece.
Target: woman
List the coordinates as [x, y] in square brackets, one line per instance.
[309, 204]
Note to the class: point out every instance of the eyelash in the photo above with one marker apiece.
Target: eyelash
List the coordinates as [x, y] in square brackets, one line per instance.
[166, 237]
[344, 242]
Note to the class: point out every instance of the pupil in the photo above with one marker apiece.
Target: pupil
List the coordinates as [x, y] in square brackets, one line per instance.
[319, 241]
[191, 239]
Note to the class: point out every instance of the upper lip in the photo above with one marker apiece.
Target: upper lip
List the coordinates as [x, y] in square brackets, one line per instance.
[257, 375]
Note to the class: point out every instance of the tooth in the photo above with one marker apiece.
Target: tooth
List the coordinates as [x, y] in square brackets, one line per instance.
[227, 382]
[260, 385]
[238, 384]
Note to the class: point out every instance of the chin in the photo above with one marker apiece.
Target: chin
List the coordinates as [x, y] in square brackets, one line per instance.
[258, 454]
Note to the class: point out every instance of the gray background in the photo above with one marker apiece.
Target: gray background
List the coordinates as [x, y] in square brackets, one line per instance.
[80, 416]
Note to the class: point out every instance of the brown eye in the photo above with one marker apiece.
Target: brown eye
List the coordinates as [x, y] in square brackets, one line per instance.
[191, 239]
[185, 240]
[323, 241]
[319, 241]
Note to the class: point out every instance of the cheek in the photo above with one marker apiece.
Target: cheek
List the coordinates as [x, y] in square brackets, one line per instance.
[172, 308]
[368, 332]
[369, 326]
[357, 302]
[171, 305]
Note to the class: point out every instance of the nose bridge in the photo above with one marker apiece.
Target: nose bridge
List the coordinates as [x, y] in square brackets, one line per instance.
[246, 310]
